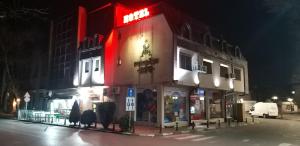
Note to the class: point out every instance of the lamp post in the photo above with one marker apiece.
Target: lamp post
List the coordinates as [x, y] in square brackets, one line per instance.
[18, 106]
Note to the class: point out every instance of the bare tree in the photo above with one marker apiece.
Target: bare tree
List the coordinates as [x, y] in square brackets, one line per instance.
[17, 33]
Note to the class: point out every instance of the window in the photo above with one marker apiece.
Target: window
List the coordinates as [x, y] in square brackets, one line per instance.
[185, 61]
[237, 73]
[97, 65]
[86, 67]
[208, 66]
[223, 71]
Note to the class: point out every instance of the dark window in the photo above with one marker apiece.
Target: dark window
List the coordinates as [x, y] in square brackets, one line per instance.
[97, 65]
[237, 73]
[86, 67]
[185, 61]
[224, 71]
[208, 66]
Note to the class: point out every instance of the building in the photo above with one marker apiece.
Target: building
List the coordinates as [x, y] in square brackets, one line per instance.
[178, 70]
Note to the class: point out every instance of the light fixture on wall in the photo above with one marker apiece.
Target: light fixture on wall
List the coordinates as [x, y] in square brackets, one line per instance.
[119, 61]
[216, 82]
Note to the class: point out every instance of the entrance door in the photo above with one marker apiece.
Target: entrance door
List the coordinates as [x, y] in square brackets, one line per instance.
[147, 106]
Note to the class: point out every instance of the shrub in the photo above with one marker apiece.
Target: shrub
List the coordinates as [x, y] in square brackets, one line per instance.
[124, 123]
[88, 117]
[75, 113]
[106, 112]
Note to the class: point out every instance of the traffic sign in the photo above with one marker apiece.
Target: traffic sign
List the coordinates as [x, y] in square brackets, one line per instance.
[27, 97]
[130, 103]
[130, 92]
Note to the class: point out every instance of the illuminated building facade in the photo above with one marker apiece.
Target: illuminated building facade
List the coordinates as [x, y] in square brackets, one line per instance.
[180, 73]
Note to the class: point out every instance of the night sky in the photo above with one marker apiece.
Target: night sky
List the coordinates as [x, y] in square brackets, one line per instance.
[266, 31]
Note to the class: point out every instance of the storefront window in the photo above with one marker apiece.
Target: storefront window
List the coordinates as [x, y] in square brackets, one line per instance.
[147, 106]
[197, 107]
[175, 108]
[215, 105]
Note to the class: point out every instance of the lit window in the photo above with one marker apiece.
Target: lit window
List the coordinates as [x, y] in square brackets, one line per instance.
[237, 73]
[86, 66]
[185, 61]
[97, 65]
[208, 65]
[224, 71]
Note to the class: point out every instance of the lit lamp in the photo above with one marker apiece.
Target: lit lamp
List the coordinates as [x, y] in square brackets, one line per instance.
[18, 103]
[274, 97]
[290, 99]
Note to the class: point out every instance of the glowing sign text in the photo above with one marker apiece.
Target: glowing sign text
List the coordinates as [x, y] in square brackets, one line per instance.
[136, 15]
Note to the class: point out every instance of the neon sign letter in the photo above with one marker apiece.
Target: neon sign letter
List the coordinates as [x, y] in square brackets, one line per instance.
[136, 15]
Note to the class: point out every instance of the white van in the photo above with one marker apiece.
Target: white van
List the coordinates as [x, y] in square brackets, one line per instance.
[263, 109]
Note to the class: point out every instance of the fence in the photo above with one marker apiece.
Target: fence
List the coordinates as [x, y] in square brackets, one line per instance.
[60, 117]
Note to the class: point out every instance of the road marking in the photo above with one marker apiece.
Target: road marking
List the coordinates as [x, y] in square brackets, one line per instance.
[203, 138]
[188, 137]
[285, 144]
[176, 135]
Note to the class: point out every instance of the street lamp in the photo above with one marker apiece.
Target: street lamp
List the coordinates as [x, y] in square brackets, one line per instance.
[274, 97]
[290, 99]
[18, 106]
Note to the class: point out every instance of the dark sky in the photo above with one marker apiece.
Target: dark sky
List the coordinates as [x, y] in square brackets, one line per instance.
[265, 30]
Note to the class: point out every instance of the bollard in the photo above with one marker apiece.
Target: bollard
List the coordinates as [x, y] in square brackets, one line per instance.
[207, 124]
[114, 126]
[176, 128]
[51, 120]
[193, 125]
[253, 119]
[219, 123]
[160, 129]
[65, 122]
[133, 129]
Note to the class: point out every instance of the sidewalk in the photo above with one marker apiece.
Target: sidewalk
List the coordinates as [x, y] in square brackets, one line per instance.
[149, 130]
[7, 116]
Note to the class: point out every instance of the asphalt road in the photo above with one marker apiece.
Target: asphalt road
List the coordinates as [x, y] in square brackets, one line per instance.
[270, 132]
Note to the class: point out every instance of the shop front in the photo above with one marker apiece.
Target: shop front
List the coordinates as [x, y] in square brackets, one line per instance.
[175, 106]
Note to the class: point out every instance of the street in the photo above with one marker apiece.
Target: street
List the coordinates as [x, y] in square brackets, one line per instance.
[268, 132]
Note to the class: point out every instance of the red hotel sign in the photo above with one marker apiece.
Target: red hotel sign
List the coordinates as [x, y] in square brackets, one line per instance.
[136, 15]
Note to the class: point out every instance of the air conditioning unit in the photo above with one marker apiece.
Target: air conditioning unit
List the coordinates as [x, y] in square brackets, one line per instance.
[116, 90]
[232, 75]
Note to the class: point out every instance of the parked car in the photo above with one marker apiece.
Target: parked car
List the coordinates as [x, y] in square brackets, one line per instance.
[263, 109]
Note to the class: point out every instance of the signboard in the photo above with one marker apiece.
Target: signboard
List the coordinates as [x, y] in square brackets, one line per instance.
[200, 92]
[26, 97]
[130, 92]
[130, 103]
[136, 15]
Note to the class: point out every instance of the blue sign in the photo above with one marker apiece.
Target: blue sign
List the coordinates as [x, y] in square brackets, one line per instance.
[200, 92]
[130, 92]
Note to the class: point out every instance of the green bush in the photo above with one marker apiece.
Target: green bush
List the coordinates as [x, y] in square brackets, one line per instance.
[106, 111]
[88, 117]
[75, 113]
[124, 123]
